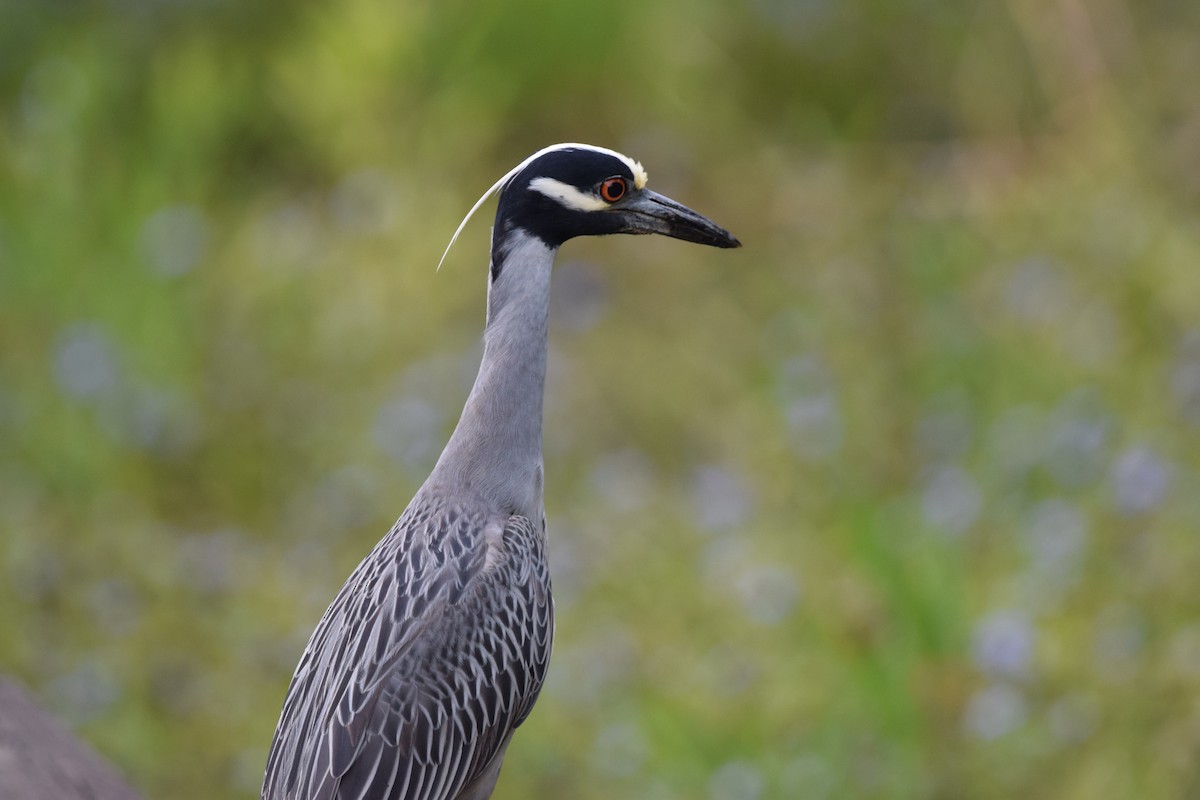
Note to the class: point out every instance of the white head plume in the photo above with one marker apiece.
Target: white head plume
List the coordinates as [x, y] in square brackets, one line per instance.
[639, 180]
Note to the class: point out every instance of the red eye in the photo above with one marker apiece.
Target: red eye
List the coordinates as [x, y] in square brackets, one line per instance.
[613, 189]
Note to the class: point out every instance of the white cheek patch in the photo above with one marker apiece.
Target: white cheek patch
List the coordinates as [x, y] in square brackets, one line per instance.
[568, 195]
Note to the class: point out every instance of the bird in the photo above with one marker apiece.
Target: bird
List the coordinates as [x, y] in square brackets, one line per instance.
[436, 647]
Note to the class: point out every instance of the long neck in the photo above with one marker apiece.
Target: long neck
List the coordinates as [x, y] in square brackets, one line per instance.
[496, 449]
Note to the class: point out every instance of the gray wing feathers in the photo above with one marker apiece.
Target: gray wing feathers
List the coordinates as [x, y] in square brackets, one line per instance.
[429, 657]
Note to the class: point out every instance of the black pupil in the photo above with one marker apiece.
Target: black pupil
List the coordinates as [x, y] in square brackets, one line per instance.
[614, 188]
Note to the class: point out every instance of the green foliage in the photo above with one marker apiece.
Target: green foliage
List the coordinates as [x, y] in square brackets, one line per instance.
[899, 501]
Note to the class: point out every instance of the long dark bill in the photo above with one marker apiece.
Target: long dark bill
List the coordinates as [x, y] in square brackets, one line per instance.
[650, 212]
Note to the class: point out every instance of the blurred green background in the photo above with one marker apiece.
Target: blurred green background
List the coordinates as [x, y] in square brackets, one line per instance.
[899, 501]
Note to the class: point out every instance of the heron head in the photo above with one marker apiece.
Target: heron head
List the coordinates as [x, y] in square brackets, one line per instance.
[574, 190]
[569, 190]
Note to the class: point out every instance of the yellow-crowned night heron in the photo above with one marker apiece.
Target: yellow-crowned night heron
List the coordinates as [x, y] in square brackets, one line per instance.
[435, 649]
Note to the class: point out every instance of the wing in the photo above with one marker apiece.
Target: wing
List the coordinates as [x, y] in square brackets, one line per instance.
[429, 657]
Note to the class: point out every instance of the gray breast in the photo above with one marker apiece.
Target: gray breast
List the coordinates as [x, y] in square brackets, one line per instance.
[429, 657]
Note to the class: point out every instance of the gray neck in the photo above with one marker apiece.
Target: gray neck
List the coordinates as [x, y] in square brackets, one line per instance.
[495, 451]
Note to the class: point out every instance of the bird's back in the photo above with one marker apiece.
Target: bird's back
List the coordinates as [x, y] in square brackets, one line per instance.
[431, 654]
